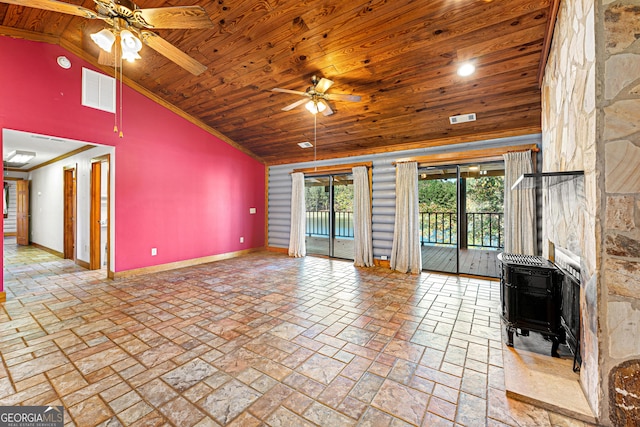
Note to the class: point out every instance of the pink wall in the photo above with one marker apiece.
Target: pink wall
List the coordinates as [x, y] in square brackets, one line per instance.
[178, 188]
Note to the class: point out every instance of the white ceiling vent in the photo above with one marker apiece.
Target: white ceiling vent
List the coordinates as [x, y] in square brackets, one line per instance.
[98, 91]
[305, 144]
[462, 118]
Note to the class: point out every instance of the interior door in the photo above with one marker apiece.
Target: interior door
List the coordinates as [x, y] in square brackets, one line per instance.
[99, 217]
[94, 228]
[22, 212]
[70, 213]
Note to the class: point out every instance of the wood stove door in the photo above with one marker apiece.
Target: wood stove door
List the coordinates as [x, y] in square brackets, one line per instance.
[537, 302]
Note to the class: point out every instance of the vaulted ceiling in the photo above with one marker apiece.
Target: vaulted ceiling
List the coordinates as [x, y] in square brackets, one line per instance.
[400, 56]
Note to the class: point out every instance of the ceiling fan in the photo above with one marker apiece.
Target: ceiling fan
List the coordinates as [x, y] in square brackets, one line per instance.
[130, 23]
[316, 97]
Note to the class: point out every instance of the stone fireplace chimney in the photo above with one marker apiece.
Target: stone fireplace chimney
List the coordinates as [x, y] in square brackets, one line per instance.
[591, 122]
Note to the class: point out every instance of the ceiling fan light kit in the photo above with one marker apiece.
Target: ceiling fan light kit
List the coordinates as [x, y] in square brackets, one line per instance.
[131, 45]
[104, 39]
[315, 107]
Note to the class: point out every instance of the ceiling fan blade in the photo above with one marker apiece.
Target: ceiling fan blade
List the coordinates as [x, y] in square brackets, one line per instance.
[106, 58]
[295, 92]
[173, 17]
[55, 6]
[327, 111]
[342, 97]
[171, 52]
[294, 105]
[323, 85]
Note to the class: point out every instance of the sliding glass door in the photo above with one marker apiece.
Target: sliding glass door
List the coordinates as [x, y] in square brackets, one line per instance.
[438, 199]
[461, 218]
[329, 205]
[482, 212]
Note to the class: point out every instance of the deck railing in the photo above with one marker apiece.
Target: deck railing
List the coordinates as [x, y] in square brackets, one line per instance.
[318, 223]
[484, 229]
[438, 227]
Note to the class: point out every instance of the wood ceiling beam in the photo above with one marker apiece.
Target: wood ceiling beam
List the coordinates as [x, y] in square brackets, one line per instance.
[17, 33]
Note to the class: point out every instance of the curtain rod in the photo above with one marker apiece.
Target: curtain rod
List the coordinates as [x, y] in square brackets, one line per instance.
[469, 156]
[331, 169]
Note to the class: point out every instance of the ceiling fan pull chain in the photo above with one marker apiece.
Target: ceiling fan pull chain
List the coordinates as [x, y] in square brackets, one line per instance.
[121, 134]
[115, 76]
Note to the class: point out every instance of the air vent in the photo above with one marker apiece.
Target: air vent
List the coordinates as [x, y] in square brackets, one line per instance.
[98, 91]
[462, 118]
[305, 144]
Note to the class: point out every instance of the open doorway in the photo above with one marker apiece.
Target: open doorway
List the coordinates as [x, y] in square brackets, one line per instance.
[59, 183]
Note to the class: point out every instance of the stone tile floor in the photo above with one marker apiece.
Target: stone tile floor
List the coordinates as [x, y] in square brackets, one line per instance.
[261, 340]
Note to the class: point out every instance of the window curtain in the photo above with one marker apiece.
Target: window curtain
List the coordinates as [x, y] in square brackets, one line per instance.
[297, 246]
[405, 253]
[363, 246]
[519, 206]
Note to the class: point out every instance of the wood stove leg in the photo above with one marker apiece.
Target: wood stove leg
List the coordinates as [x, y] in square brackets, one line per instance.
[554, 346]
[509, 336]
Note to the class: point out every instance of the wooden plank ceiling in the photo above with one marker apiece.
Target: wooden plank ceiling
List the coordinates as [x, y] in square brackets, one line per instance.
[401, 56]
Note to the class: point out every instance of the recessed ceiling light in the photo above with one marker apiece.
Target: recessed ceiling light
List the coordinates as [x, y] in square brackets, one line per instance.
[305, 144]
[466, 69]
[64, 62]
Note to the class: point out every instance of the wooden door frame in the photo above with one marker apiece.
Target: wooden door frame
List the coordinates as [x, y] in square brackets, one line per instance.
[94, 216]
[19, 214]
[12, 179]
[70, 213]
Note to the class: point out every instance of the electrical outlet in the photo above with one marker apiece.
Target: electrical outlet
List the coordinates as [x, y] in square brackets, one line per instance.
[154, 251]
[252, 211]
[383, 257]
[242, 240]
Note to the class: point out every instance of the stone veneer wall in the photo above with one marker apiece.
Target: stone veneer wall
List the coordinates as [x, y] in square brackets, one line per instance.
[569, 144]
[619, 151]
[591, 122]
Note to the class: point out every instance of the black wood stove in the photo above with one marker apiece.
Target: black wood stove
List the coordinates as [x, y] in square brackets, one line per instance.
[531, 297]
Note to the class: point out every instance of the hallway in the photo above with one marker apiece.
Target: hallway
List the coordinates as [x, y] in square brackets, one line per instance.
[263, 339]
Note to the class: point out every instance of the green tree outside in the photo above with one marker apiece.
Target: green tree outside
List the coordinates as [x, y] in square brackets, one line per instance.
[317, 198]
[485, 194]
